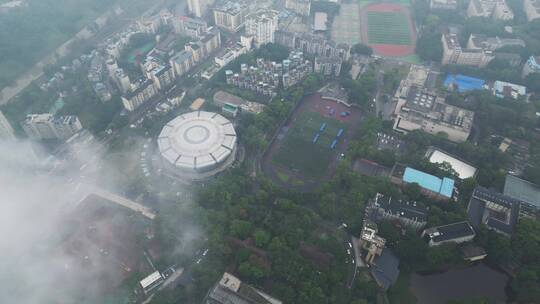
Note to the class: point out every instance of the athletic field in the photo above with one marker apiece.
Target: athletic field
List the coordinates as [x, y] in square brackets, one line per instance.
[388, 28]
[299, 154]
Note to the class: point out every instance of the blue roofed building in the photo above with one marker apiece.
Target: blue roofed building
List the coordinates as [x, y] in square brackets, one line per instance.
[531, 66]
[432, 186]
[462, 83]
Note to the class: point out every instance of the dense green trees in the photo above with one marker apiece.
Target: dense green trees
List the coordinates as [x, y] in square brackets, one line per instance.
[30, 32]
[361, 49]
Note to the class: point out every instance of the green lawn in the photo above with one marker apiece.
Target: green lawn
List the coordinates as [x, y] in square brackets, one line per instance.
[132, 55]
[299, 154]
[388, 28]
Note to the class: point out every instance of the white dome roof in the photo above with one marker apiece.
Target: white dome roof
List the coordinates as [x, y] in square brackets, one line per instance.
[197, 140]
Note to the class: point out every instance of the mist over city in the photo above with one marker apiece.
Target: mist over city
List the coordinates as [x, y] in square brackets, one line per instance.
[269, 151]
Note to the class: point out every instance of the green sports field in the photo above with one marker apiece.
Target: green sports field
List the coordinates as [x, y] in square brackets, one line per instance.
[299, 154]
[388, 28]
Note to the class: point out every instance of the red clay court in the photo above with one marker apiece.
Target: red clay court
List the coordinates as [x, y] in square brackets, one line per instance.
[388, 29]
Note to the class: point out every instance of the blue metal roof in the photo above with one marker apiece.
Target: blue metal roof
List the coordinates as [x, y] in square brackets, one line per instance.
[444, 187]
[464, 83]
[447, 187]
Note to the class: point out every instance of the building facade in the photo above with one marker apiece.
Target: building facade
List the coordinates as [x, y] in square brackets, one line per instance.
[328, 66]
[142, 91]
[531, 66]
[198, 7]
[230, 16]
[46, 126]
[453, 53]
[262, 26]
[312, 44]
[496, 9]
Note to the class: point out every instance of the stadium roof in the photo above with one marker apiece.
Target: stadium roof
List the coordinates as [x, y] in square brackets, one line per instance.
[463, 169]
[522, 190]
[444, 186]
[464, 83]
[197, 140]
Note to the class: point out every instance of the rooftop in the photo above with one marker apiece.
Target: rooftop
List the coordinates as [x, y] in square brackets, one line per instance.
[385, 269]
[463, 169]
[406, 209]
[493, 209]
[444, 187]
[197, 140]
[522, 190]
[151, 279]
[450, 231]
[464, 83]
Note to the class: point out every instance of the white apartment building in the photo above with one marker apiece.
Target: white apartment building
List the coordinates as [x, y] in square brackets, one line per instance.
[199, 7]
[230, 16]
[454, 54]
[262, 25]
[496, 9]
[142, 91]
[46, 126]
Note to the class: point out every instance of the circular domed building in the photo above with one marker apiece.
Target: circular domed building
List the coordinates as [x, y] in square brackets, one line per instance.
[198, 144]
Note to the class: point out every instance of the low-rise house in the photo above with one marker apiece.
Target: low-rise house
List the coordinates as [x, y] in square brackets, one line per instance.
[452, 233]
[152, 281]
[432, 186]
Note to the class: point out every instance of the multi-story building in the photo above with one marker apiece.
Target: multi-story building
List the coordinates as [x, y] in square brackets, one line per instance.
[422, 110]
[409, 213]
[230, 290]
[192, 27]
[149, 25]
[532, 9]
[46, 126]
[496, 9]
[199, 7]
[262, 26]
[122, 80]
[196, 51]
[227, 55]
[301, 7]
[141, 92]
[328, 65]
[230, 15]
[454, 54]
[6, 131]
[312, 44]
[482, 42]
[452, 233]
[443, 4]
[182, 62]
[266, 76]
[497, 211]
[531, 66]
[162, 74]
[102, 91]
